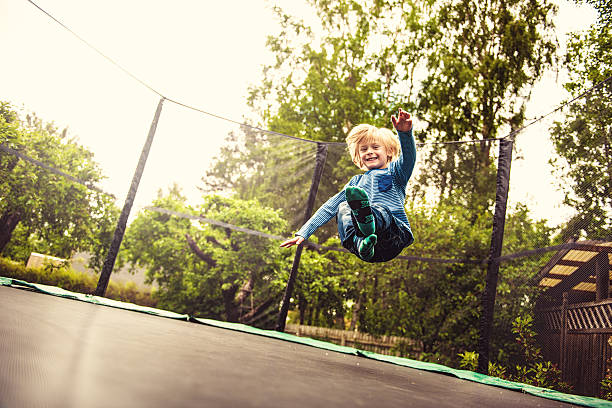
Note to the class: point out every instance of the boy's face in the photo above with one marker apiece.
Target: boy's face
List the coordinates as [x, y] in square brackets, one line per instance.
[373, 155]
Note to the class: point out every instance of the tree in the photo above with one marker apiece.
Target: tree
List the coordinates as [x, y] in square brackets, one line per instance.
[465, 67]
[482, 60]
[207, 270]
[40, 210]
[321, 85]
[583, 139]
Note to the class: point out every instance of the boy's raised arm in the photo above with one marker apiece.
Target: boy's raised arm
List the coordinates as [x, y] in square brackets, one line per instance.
[403, 123]
[407, 159]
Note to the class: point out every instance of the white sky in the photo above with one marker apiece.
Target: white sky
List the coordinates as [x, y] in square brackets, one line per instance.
[200, 52]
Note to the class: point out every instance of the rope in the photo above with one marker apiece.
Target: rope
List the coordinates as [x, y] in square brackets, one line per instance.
[306, 243]
[52, 169]
[95, 49]
[511, 134]
[214, 222]
[312, 245]
[563, 105]
[251, 126]
[149, 87]
[542, 250]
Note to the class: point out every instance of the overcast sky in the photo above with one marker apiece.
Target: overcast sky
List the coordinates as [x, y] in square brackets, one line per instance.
[199, 52]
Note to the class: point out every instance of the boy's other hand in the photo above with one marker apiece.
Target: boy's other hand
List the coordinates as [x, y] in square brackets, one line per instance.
[293, 241]
[403, 123]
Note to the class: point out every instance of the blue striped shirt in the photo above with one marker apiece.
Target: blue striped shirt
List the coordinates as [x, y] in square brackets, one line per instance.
[385, 187]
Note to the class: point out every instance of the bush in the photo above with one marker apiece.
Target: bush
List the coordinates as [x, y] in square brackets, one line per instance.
[66, 278]
[534, 371]
[606, 388]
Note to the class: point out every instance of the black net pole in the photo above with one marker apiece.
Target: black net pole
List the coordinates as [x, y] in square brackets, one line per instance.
[314, 187]
[109, 262]
[497, 237]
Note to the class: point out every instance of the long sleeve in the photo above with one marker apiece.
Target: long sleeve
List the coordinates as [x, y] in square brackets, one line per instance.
[402, 167]
[326, 212]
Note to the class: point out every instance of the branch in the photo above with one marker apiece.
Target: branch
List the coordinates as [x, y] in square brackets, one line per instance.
[251, 316]
[196, 249]
[245, 290]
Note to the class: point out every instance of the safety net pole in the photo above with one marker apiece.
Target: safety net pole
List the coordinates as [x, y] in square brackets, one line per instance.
[497, 237]
[314, 187]
[109, 262]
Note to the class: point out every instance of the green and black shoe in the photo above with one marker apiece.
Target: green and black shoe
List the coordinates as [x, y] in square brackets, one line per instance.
[360, 206]
[366, 247]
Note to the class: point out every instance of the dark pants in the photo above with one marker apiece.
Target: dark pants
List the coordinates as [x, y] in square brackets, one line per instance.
[391, 239]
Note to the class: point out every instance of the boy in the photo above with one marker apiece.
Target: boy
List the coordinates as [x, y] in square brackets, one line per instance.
[372, 222]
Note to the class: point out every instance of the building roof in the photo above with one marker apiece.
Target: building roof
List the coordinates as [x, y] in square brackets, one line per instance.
[574, 268]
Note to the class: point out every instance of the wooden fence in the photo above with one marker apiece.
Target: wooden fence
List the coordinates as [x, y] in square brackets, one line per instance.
[388, 345]
[578, 338]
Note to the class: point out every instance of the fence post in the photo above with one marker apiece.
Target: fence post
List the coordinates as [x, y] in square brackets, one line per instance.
[497, 236]
[109, 262]
[602, 277]
[316, 178]
[563, 337]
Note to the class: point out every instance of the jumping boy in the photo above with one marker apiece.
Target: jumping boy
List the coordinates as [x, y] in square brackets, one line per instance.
[372, 222]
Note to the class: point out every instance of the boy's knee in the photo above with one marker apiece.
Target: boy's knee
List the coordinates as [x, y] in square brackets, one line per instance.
[344, 214]
[383, 218]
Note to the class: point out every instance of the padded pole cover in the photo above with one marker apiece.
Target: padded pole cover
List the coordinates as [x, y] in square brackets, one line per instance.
[109, 262]
[314, 187]
[497, 237]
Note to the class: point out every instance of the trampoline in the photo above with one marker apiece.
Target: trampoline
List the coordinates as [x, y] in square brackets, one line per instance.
[58, 352]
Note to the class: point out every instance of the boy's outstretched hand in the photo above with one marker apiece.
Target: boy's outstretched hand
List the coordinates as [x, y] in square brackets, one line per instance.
[403, 123]
[293, 241]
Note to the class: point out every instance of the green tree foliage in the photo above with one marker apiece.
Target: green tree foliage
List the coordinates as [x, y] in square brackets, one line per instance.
[260, 166]
[327, 79]
[42, 211]
[323, 82]
[482, 60]
[206, 270]
[467, 69]
[435, 303]
[583, 139]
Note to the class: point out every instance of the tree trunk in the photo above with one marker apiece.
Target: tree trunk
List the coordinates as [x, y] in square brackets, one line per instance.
[340, 320]
[302, 305]
[8, 223]
[242, 295]
[358, 303]
[355, 316]
[231, 311]
[245, 290]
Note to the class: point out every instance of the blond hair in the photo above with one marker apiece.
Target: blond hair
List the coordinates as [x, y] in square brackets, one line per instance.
[364, 133]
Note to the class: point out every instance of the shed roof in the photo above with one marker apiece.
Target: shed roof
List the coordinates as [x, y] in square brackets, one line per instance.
[574, 268]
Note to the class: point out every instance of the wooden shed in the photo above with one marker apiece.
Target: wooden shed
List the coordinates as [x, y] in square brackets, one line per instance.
[574, 313]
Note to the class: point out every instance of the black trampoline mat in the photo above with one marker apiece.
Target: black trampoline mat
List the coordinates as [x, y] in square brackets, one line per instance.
[57, 352]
